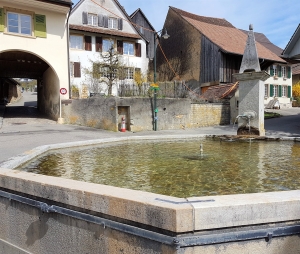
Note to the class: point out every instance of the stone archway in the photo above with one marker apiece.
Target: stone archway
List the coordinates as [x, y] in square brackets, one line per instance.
[22, 64]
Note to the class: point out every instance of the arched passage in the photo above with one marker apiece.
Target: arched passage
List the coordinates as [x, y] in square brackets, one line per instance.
[21, 64]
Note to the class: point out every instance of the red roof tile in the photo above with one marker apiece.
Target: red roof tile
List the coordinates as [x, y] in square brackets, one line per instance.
[103, 31]
[296, 69]
[225, 35]
[219, 92]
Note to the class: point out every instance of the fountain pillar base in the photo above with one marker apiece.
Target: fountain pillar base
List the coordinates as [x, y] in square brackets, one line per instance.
[244, 131]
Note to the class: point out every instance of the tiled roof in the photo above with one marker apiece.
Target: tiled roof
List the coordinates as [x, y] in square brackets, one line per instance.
[226, 36]
[219, 92]
[296, 69]
[209, 20]
[262, 39]
[103, 31]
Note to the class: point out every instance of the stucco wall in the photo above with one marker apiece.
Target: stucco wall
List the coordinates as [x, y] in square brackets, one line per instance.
[101, 112]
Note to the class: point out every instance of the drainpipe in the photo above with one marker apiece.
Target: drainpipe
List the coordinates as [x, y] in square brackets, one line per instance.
[68, 48]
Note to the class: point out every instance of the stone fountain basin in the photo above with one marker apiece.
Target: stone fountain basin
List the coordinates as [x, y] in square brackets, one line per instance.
[165, 212]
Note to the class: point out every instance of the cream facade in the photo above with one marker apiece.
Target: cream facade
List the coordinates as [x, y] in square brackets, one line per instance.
[92, 30]
[279, 85]
[34, 44]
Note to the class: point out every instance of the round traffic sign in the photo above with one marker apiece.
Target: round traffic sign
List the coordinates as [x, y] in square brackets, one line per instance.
[63, 91]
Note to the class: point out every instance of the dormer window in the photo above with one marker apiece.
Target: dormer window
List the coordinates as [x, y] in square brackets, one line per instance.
[92, 19]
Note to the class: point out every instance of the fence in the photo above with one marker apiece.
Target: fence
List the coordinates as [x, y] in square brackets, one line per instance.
[175, 89]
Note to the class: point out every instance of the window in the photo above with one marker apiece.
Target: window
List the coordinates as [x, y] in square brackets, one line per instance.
[92, 19]
[283, 71]
[284, 91]
[275, 70]
[275, 90]
[107, 45]
[266, 90]
[128, 73]
[76, 42]
[128, 48]
[19, 23]
[75, 70]
[112, 23]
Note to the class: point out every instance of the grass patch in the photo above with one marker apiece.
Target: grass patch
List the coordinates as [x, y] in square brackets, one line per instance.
[269, 115]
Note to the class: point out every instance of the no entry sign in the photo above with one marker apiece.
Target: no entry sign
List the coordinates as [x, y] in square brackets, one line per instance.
[63, 91]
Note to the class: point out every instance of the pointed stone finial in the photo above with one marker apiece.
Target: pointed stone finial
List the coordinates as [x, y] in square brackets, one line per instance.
[250, 60]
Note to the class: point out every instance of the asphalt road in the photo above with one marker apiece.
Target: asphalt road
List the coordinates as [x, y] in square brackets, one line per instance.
[23, 128]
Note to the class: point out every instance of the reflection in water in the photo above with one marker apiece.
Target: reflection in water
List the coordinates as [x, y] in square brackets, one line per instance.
[178, 168]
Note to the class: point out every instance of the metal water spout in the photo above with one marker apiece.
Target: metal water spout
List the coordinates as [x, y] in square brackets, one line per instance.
[248, 116]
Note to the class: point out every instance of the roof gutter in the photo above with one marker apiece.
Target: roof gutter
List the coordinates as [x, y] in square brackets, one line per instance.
[58, 2]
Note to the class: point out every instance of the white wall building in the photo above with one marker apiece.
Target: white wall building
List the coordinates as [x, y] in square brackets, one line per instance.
[279, 85]
[94, 26]
[34, 44]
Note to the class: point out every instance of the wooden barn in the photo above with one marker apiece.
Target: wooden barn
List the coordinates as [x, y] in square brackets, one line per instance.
[205, 51]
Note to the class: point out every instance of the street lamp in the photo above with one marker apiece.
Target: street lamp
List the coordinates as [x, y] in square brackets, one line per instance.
[156, 87]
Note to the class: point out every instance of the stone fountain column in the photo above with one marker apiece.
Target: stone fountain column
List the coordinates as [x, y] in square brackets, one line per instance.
[251, 91]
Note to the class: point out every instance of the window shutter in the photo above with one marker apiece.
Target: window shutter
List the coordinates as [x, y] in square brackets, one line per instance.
[88, 43]
[77, 71]
[289, 71]
[279, 91]
[100, 20]
[105, 21]
[120, 24]
[279, 71]
[138, 51]
[271, 90]
[2, 20]
[289, 91]
[40, 26]
[98, 44]
[271, 70]
[84, 18]
[120, 47]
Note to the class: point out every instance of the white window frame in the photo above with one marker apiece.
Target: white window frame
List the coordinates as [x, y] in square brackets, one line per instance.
[129, 73]
[283, 69]
[92, 19]
[106, 44]
[19, 25]
[275, 90]
[113, 23]
[76, 42]
[284, 90]
[266, 90]
[275, 70]
[72, 69]
[128, 48]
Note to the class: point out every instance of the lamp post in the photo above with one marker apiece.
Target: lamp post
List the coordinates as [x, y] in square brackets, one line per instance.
[156, 87]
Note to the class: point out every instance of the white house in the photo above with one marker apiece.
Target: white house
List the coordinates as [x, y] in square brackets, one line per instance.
[34, 44]
[95, 25]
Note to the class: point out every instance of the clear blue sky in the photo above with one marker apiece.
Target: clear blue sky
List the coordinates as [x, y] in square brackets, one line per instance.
[277, 19]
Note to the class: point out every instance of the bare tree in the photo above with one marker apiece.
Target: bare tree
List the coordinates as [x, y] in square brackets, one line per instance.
[107, 69]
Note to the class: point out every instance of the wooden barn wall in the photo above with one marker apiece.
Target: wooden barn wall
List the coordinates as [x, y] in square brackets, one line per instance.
[229, 64]
[210, 61]
[147, 32]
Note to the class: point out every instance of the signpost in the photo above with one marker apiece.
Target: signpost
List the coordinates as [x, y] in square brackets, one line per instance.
[62, 91]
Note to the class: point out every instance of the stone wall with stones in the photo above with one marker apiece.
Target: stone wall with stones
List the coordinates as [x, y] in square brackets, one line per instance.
[209, 115]
[107, 112]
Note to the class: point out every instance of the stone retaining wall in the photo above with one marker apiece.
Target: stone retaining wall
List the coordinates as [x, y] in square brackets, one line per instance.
[104, 113]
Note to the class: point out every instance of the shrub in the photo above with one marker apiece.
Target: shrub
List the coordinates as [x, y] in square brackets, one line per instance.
[296, 90]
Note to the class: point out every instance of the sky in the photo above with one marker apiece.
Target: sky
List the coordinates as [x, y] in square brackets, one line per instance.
[277, 19]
